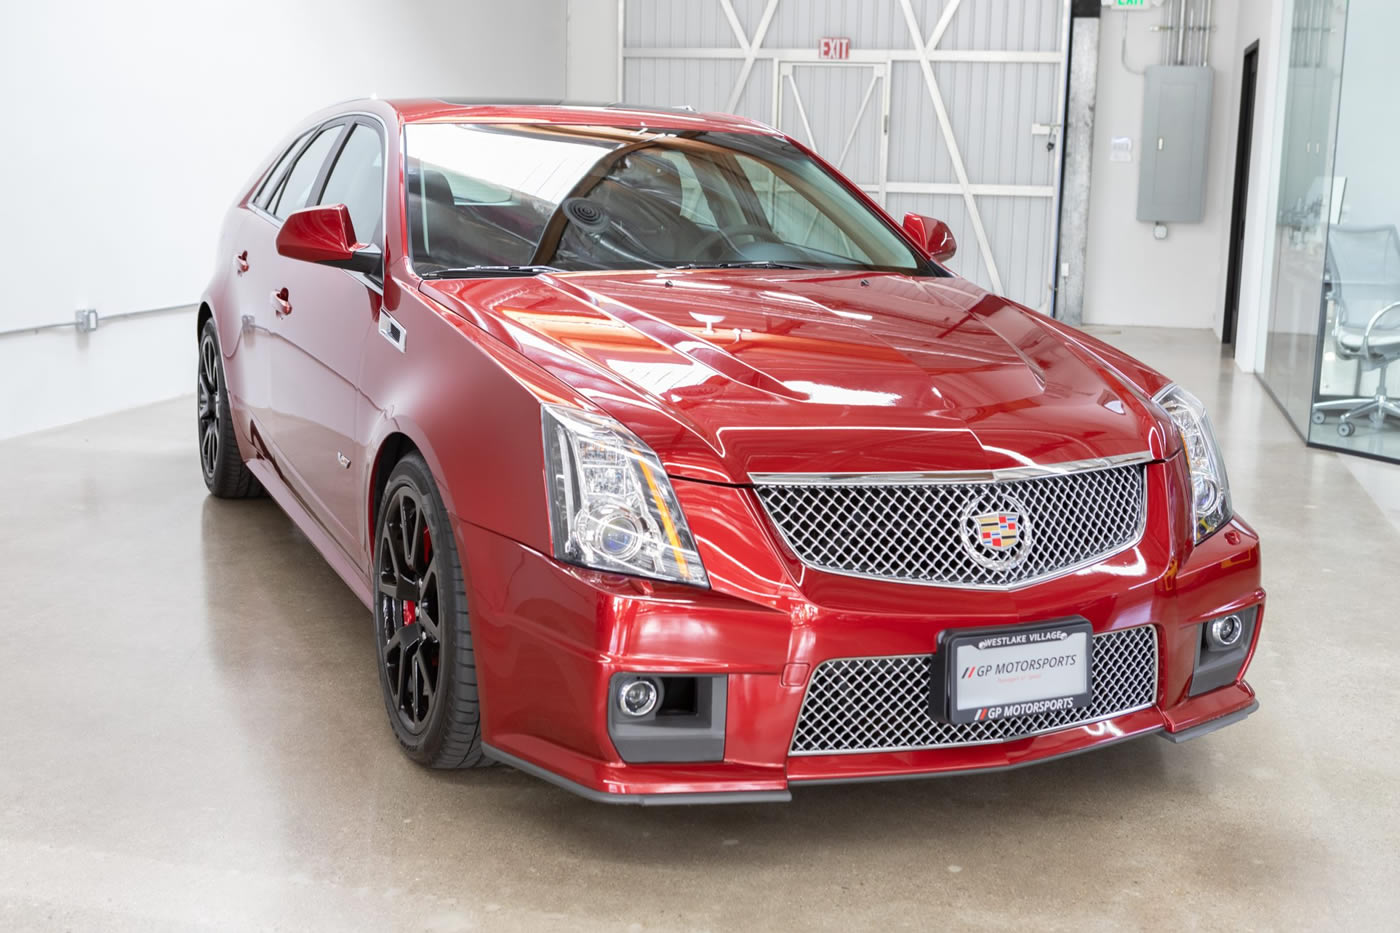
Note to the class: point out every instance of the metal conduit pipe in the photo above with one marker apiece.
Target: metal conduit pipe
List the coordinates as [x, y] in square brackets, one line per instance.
[1210, 26]
[1181, 35]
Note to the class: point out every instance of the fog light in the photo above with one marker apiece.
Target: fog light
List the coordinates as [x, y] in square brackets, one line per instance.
[637, 697]
[1225, 632]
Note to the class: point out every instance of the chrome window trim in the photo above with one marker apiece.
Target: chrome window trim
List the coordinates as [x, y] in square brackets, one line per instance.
[384, 138]
[1156, 674]
[365, 280]
[1005, 474]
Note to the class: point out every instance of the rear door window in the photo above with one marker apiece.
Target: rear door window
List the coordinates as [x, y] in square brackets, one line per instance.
[297, 188]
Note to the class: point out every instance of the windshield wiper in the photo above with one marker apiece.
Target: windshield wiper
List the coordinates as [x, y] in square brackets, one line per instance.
[744, 264]
[483, 272]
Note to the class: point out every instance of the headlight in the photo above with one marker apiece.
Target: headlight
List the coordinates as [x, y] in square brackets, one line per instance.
[611, 506]
[1210, 489]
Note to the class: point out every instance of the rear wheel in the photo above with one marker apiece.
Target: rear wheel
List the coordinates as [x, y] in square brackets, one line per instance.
[225, 473]
[427, 669]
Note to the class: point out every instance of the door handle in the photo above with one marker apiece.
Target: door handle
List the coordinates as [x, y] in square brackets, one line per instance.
[280, 303]
[240, 262]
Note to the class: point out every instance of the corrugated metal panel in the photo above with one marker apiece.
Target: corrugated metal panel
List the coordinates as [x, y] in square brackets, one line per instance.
[869, 24]
[832, 98]
[991, 105]
[673, 82]
[757, 99]
[676, 24]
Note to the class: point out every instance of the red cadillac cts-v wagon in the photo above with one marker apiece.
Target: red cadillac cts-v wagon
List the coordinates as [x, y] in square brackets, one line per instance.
[672, 470]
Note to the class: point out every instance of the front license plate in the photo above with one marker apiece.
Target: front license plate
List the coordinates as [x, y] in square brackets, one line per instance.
[1019, 672]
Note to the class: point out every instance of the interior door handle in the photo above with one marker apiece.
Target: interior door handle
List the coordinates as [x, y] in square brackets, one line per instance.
[280, 303]
[240, 262]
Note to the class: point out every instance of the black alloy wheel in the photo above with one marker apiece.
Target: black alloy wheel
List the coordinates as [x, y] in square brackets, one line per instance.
[208, 401]
[422, 627]
[410, 637]
[225, 473]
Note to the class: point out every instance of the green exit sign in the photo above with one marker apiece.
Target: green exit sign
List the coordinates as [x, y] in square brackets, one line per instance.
[1132, 4]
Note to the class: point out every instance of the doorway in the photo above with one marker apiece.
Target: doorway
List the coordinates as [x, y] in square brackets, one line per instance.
[842, 110]
[1248, 80]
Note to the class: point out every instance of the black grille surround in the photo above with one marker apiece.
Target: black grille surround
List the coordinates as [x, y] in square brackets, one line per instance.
[926, 532]
[881, 704]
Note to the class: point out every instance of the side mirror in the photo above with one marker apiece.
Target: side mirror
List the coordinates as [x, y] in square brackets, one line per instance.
[933, 236]
[324, 234]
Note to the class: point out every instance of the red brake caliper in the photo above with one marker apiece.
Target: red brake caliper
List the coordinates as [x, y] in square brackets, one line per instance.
[410, 608]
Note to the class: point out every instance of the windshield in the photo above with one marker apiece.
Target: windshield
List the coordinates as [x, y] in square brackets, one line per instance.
[591, 197]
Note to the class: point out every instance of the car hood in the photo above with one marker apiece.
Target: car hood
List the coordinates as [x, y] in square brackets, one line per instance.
[728, 373]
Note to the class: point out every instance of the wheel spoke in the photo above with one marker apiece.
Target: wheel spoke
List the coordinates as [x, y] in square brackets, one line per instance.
[405, 638]
[414, 690]
[399, 588]
[390, 547]
[425, 681]
[427, 618]
[406, 531]
[427, 581]
[209, 447]
[208, 365]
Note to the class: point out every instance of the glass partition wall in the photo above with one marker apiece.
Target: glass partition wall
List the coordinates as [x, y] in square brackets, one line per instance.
[1357, 403]
[1305, 204]
[1334, 320]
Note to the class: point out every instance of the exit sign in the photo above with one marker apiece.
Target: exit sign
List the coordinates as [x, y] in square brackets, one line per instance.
[1133, 4]
[834, 48]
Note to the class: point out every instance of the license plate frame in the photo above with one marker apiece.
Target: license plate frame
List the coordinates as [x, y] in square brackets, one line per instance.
[992, 647]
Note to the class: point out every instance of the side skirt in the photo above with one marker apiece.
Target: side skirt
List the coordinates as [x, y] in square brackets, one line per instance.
[306, 523]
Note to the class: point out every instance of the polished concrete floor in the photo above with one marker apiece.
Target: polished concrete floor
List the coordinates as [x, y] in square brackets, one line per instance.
[194, 739]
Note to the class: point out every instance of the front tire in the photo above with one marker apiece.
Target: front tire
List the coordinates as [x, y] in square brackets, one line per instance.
[225, 473]
[427, 669]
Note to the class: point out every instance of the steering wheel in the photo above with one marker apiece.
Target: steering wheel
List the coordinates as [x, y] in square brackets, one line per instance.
[710, 240]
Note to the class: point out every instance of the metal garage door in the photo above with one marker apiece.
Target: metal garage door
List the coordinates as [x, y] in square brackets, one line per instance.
[945, 107]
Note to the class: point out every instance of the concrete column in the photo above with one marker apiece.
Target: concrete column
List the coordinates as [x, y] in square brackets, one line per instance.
[592, 56]
[1079, 155]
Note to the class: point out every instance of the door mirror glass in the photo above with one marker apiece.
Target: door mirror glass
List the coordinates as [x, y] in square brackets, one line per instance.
[933, 236]
[326, 235]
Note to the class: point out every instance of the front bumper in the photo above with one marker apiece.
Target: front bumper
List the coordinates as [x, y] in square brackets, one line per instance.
[549, 638]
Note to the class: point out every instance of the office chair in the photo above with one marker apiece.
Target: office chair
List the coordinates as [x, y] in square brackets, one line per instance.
[1363, 267]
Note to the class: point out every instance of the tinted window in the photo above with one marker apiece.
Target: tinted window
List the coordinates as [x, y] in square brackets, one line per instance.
[795, 217]
[269, 185]
[296, 190]
[603, 197]
[357, 181]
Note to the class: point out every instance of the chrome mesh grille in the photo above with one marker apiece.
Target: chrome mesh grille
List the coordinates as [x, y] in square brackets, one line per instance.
[882, 704]
[928, 533]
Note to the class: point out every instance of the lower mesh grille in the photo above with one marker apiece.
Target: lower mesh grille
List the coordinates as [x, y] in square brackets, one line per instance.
[881, 704]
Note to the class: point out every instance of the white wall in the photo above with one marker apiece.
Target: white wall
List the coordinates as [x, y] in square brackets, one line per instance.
[130, 127]
[592, 56]
[1130, 277]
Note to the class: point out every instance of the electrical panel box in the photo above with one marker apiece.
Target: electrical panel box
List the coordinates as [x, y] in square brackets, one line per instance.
[1175, 140]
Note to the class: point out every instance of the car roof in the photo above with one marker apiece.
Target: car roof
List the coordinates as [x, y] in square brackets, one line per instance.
[467, 110]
